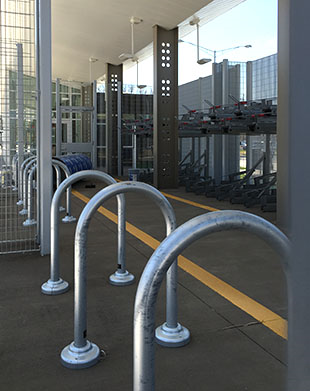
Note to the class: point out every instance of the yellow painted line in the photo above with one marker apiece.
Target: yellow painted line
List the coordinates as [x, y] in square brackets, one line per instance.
[209, 208]
[185, 201]
[262, 314]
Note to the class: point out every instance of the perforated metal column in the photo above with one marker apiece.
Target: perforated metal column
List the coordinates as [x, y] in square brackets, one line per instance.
[165, 108]
[114, 77]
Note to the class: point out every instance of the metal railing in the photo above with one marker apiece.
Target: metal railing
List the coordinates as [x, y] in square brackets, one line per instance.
[56, 285]
[81, 353]
[163, 258]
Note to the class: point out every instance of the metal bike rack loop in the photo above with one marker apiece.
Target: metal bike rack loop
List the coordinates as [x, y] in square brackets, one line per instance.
[162, 259]
[57, 163]
[24, 211]
[82, 353]
[21, 179]
[56, 285]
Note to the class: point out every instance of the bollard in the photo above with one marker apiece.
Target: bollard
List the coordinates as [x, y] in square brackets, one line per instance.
[81, 353]
[20, 179]
[55, 285]
[159, 263]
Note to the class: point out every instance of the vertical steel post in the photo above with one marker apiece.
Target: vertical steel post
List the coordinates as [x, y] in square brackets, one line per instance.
[217, 139]
[134, 150]
[94, 126]
[119, 129]
[267, 162]
[58, 119]
[249, 97]
[20, 104]
[293, 180]
[165, 108]
[114, 77]
[38, 95]
[45, 146]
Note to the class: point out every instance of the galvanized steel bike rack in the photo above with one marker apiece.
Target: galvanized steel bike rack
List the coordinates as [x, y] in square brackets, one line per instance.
[56, 285]
[163, 258]
[82, 353]
[24, 211]
[21, 180]
[57, 163]
[28, 191]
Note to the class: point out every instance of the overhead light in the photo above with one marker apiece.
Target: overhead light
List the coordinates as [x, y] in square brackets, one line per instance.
[127, 56]
[203, 61]
[92, 59]
[131, 56]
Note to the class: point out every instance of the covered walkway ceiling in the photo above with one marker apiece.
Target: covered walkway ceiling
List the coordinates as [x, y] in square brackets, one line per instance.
[101, 29]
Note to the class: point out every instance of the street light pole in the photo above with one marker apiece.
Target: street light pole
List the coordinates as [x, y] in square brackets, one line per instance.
[210, 50]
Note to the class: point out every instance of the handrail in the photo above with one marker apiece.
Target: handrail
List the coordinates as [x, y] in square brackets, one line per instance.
[56, 285]
[161, 260]
[81, 353]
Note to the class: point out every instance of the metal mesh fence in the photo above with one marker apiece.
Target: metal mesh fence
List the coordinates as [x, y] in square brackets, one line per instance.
[17, 118]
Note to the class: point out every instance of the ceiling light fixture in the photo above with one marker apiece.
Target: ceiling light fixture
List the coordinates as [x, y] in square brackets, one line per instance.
[200, 61]
[127, 56]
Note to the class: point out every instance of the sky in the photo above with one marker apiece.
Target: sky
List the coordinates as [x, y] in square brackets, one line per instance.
[253, 22]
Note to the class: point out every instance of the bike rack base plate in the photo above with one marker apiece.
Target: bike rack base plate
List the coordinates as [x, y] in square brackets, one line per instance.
[172, 337]
[79, 358]
[55, 287]
[29, 222]
[121, 279]
[68, 219]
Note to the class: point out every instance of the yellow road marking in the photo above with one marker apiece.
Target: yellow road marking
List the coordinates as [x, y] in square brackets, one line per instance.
[185, 201]
[209, 208]
[265, 316]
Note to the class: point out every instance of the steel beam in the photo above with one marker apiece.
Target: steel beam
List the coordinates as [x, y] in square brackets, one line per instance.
[165, 107]
[45, 146]
[114, 77]
[20, 104]
[58, 119]
[293, 179]
[249, 97]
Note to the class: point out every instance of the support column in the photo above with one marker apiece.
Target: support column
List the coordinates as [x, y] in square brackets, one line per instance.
[114, 77]
[225, 138]
[38, 106]
[119, 129]
[165, 108]
[45, 146]
[293, 179]
[20, 105]
[58, 119]
[249, 97]
[94, 126]
[216, 166]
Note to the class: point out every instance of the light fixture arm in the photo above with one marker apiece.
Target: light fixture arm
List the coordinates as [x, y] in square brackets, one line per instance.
[132, 40]
[197, 26]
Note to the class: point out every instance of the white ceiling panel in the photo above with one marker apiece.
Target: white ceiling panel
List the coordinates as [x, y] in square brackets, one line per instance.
[101, 29]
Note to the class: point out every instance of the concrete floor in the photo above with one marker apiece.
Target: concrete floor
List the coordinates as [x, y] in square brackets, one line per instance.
[229, 350]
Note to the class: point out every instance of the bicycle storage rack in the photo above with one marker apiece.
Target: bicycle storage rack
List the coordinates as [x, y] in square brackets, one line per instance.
[161, 261]
[82, 353]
